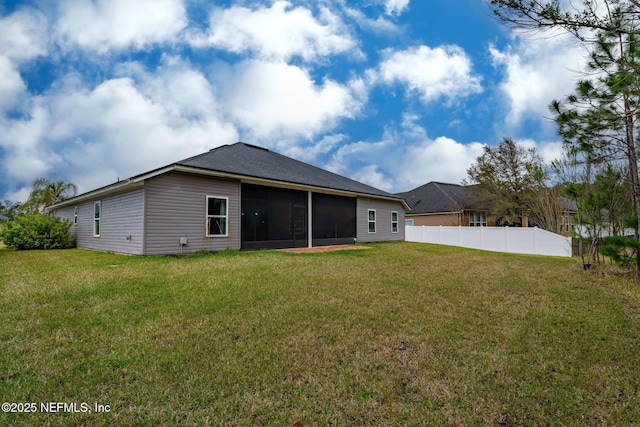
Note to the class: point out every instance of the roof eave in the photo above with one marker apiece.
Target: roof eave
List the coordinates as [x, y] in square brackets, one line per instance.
[138, 180]
[284, 184]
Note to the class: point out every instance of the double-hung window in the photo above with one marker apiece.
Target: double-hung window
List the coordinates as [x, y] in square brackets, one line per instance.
[394, 222]
[75, 215]
[372, 221]
[217, 216]
[97, 212]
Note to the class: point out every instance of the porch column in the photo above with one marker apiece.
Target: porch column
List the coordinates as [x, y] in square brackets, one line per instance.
[309, 220]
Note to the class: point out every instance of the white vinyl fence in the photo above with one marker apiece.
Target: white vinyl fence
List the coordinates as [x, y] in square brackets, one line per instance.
[517, 240]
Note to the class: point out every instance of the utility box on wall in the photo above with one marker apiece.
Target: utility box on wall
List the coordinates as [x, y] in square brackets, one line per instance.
[183, 241]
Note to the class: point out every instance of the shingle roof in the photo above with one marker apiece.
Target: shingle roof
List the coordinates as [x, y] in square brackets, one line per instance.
[435, 197]
[252, 161]
[247, 161]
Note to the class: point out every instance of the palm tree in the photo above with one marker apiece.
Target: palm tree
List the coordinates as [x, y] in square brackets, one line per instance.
[45, 193]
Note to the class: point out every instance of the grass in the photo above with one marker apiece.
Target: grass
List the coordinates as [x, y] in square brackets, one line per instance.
[401, 334]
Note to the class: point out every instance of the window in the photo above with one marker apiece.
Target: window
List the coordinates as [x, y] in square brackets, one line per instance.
[477, 219]
[372, 221]
[75, 215]
[408, 222]
[97, 208]
[566, 223]
[394, 222]
[217, 214]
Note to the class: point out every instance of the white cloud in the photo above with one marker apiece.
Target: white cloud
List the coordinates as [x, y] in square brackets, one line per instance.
[25, 156]
[122, 127]
[11, 84]
[276, 100]
[102, 25]
[23, 35]
[311, 152]
[548, 150]
[442, 72]
[278, 32]
[22, 38]
[395, 7]
[380, 25]
[406, 158]
[537, 71]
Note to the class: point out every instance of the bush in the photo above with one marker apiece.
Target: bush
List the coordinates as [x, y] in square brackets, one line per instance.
[621, 249]
[37, 231]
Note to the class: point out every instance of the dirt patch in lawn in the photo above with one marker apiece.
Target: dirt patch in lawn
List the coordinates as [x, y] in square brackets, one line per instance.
[324, 249]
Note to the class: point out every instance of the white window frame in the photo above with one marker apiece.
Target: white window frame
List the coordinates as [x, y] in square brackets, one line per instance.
[369, 221]
[477, 219]
[97, 220]
[395, 223]
[225, 216]
[75, 215]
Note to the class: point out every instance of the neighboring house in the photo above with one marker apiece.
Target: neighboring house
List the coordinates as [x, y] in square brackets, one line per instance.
[568, 210]
[438, 203]
[236, 196]
[4, 218]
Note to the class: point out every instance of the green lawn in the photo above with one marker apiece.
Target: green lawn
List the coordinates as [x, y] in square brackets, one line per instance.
[400, 334]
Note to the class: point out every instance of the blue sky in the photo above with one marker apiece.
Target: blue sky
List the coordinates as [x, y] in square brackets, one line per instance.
[393, 93]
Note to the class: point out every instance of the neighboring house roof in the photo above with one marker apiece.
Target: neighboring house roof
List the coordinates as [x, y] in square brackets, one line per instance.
[439, 197]
[568, 205]
[436, 197]
[249, 163]
[4, 218]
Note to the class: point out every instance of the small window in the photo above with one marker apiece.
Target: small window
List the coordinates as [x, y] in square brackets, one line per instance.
[217, 215]
[75, 215]
[97, 208]
[408, 222]
[372, 221]
[477, 219]
[394, 222]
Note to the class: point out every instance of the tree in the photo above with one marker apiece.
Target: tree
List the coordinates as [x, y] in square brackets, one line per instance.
[615, 16]
[547, 207]
[45, 193]
[600, 118]
[508, 178]
[10, 209]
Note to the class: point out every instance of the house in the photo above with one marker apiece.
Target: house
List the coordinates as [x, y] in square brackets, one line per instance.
[438, 203]
[237, 196]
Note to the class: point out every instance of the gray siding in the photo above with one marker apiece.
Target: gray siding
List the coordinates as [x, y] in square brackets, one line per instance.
[383, 210]
[66, 213]
[121, 223]
[176, 207]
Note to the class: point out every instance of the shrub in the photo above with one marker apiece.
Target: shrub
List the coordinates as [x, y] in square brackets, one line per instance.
[37, 231]
[621, 249]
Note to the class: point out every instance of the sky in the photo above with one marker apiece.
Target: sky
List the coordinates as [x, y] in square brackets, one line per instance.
[392, 93]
